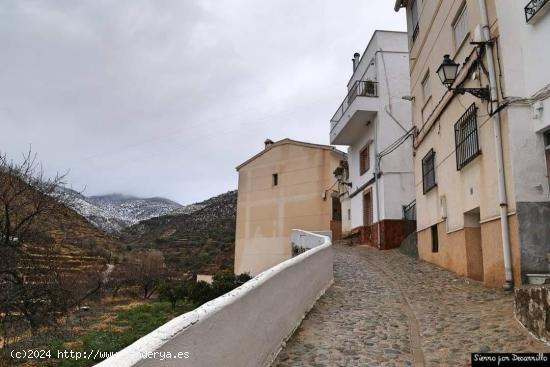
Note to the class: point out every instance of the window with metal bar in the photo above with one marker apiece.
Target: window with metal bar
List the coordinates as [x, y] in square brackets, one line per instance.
[547, 152]
[428, 171]
[466, 138]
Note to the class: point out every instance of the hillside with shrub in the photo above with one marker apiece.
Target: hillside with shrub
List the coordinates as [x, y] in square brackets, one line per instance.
[201, 241]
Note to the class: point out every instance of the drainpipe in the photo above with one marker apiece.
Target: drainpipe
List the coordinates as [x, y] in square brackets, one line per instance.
[499, 155]
[376, 173]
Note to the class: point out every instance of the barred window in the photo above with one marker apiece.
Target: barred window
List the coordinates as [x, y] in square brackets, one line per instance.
[428, 171]
[466, 140]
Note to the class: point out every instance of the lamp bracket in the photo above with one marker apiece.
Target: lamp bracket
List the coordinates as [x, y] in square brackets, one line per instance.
[482, 43]
[482, 93]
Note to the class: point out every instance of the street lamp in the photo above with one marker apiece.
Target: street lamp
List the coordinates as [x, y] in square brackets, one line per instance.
[339, 174]
[448, 70]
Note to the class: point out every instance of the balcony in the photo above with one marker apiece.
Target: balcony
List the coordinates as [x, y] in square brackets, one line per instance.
[359, 107]
[260, 315]
[534, 10]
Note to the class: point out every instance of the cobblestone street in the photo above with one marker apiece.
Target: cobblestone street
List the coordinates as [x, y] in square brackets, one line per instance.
[387, 309]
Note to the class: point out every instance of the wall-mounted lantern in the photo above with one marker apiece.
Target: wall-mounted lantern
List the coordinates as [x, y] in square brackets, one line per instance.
[448, 71]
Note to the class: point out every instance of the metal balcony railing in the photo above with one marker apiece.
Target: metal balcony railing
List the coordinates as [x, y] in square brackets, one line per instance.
[533, 7]
[365, 88]
[409, 211]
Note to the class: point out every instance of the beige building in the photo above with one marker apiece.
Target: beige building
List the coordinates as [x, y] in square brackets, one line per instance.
[288, 185]
[481, 180]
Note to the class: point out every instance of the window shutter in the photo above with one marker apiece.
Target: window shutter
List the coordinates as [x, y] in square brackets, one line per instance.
[367, 209]
[364, 160]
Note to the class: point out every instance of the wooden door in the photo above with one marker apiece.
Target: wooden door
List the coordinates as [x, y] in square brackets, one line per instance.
[367, 208]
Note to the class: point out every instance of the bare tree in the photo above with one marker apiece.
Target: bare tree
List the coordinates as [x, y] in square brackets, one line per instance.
[25, 196]
[28, 282]
[81, 285]
[146, 269]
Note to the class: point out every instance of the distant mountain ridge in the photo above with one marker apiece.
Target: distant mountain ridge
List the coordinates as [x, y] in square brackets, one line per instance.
[114, 212]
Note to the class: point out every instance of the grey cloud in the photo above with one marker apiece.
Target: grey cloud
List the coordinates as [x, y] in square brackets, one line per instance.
[167, 97]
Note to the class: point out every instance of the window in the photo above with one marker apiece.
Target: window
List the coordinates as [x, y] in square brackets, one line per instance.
[367, 208]
[336, 209]
[460, 26]
[426, 87]
[364, 160]
[426, 111]
[428, 171]
[547, 139]
[467, 145]
[349, 214]
[414, 19]
[547, 151]
[435, 238]
[275, 179]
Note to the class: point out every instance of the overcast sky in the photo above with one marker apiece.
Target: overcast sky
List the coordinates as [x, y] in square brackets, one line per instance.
[166, 97]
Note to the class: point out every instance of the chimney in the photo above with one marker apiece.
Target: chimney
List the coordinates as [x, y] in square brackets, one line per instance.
[355, 60]
[268, 143]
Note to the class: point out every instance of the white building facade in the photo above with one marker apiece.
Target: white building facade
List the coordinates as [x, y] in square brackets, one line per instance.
[482, 139]
[524, 39]
[375, 121]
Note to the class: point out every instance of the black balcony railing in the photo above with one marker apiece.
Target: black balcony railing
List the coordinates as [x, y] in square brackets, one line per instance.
[365, 88]
[409, 218]
[409, 211]
[533, 7]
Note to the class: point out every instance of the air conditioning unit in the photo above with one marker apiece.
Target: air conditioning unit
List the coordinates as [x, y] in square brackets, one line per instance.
[478, 34]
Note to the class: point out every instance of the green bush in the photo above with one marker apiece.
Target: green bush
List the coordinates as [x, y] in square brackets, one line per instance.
[137, 322]
[172, 291]
[201, 292]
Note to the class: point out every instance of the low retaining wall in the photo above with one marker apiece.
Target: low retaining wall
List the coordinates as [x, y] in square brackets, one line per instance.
[409, 246]
[532, 308]
[305, 240]
[245, 327]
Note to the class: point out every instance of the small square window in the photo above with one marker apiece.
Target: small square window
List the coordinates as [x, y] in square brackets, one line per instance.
[275, 179]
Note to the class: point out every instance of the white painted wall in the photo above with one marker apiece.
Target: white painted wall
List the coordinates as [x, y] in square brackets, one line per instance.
[245, 327]
[525, 60]
[305, 240]
[386, 61]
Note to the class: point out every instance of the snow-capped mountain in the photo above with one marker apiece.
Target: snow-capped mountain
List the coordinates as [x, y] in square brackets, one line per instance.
[114, 212]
